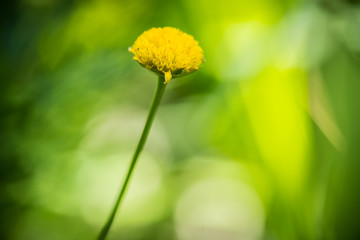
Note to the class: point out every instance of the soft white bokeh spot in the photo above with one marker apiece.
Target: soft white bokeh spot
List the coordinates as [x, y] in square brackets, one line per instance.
[219, 208]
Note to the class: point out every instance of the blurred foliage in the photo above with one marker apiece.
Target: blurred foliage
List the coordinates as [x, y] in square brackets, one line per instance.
[261, 143]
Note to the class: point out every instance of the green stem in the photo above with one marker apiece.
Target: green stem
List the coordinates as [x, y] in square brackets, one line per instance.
[154, 106]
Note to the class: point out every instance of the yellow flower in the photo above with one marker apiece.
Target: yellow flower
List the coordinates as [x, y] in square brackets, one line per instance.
[167, 51]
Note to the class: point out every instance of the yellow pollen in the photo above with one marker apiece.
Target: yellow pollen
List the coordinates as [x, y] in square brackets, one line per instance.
[167, 51]
[168, 76]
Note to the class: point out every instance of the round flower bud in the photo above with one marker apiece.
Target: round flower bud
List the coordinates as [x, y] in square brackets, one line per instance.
[167, 51]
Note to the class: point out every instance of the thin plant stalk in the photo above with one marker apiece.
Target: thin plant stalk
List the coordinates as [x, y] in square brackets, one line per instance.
[152, 112]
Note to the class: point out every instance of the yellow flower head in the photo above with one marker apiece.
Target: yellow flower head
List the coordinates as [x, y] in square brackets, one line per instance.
[167, 51]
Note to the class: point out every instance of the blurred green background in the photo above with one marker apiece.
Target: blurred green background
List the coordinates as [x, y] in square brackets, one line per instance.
[261, 143]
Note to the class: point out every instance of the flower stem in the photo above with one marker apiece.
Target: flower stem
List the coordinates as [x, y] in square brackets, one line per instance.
[152, 111]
